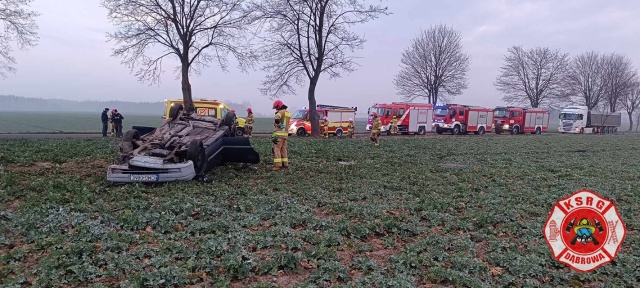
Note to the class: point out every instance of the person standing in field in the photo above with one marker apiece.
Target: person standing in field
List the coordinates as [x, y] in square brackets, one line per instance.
[351, 128]
[105, 121]
[394, 126]
[325, 127]
[280, 136]
[249, 123]
[117, 118]
[375, 129]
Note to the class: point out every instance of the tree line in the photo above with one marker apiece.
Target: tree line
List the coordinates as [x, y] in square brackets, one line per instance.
[297, 41]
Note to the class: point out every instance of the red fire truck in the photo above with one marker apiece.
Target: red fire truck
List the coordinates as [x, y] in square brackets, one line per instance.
[462, 119]
[520, 120]
[337, 116]
[412, 117]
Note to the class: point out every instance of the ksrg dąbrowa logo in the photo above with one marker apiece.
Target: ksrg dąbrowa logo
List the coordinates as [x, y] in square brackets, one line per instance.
[584, 231]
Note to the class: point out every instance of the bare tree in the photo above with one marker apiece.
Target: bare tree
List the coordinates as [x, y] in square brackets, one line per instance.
[586, 81]
[630, 101]
[18, 24]
[307, 38]
[621, 79]
[532, 77]
[434, 66]
[187, 29]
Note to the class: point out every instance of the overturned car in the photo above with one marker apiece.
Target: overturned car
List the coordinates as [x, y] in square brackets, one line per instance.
[183, 148]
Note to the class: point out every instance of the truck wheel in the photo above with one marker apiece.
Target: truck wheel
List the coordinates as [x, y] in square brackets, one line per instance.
[581, 130]
[197, 155]
[301, 132]
[339, 132]
[421, 130]
[438, 130]
[515, 130]
[538, 130]
[455, 130]
[174, 111]
[481, 131]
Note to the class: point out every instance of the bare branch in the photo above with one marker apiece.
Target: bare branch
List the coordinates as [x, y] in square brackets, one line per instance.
[532, 78]
[17, 24]
[621, 79]
[585, 82]
[196, 32]
[434, 66]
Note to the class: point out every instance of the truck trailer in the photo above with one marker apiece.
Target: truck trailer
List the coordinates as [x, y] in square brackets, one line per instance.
[581, 120]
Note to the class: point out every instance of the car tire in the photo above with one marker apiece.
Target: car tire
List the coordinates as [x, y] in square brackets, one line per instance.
[197, 155]
[239, 132]
[174, 111]
[127, 144]
[229, 119]
[301, 132]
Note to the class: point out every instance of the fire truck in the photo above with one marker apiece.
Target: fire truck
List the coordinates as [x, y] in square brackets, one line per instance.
[337, 116]
[462, 119]
[412, 117]
[518, 120]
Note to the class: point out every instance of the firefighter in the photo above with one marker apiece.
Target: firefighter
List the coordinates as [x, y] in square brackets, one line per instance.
[394, 126]
[280, 136]
[351, 129]
[325, 127]
[375, 129]
[112, 127]
[249, 123]
[116, 119]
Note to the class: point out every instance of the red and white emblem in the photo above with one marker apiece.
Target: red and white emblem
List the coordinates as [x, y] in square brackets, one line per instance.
[584, 231]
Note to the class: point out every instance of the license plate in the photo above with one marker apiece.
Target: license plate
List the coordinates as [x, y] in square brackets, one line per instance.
[144, 177]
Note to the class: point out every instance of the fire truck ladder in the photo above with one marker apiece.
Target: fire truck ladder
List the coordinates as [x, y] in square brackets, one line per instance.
[332, 107]
[612, 230]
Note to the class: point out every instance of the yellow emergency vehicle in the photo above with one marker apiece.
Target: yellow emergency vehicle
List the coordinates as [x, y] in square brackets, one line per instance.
[206, 107]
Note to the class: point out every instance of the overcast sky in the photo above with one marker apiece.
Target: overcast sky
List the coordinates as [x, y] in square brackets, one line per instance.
[73, 59]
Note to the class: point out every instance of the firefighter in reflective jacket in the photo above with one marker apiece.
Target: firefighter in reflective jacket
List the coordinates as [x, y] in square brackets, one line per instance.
[249, 123]
[394, 126]
[375, 129]
[351, 129]
[280, 136]
[325, 127]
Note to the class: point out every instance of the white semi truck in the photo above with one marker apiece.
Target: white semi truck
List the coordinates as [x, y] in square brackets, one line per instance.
[579, 119]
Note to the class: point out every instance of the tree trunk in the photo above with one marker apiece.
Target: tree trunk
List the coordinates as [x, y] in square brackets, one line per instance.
[313, 115]
[630, 121]
[186, 90]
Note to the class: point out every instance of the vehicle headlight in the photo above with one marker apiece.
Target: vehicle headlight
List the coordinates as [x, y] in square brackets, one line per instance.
[505, 126]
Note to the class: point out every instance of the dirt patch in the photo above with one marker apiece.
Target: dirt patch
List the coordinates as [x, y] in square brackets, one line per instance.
[82, 168]
[13, 205]
[282, 280]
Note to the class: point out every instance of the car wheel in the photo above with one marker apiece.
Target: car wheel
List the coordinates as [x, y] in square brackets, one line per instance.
[229, 119]
[127, 144]
[175, 111]
[301, 132]
[197, 155]
[239, 131]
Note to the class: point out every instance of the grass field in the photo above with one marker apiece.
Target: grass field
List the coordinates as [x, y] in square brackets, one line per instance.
[400, 215]
[17, 122]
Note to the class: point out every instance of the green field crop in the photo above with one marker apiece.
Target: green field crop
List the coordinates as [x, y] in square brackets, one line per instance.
[17, 122]
[450, 211]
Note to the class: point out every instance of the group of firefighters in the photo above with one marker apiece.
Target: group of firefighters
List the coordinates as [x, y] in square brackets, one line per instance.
[280, 135]
[112, 120]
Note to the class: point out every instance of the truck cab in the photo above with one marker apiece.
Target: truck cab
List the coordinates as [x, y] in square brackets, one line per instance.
[573, 119]
[206, 107]
[509, 119]
[445, 117]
